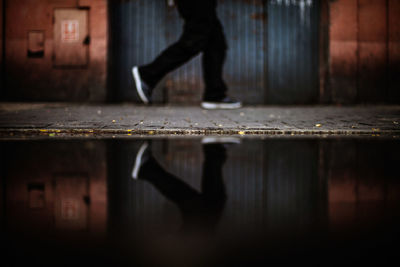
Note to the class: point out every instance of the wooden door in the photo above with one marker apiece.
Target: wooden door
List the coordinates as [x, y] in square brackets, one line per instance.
[71, 38]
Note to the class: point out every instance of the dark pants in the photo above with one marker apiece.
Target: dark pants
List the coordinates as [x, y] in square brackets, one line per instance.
[201, 211]
[202, 32]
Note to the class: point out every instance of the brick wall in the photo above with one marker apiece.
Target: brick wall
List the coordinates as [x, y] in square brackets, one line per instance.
[364, 43]
[363, 55]
[1, 31]
[36, 79]
[1, 46]
[343, 50]
[394, 50]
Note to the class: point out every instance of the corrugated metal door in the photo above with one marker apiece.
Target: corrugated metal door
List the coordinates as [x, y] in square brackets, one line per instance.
[293, 49]
[137, 36]
[141, 29]
[272, 56]
[244, 73]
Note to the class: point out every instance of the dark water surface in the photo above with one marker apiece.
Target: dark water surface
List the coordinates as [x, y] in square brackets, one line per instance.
[199, 203]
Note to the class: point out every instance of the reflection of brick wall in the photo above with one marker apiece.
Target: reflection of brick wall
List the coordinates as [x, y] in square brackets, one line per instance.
[364, 50]
[355, 202]
[60, 187]
[36, 78]
[363, 188]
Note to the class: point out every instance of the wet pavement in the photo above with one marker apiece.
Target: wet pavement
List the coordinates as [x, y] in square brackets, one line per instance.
[199, 201]
[127, 119]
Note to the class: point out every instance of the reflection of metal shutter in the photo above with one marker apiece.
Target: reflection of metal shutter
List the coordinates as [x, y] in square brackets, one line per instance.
[293, 49]
[268, 185]
[292, 191]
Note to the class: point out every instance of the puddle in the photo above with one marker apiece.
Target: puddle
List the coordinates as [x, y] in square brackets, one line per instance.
[199, 202]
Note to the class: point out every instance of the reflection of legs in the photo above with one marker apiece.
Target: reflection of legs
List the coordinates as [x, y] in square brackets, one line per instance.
[198, 210]
[213, 188]
[213, 61]
[170, 186]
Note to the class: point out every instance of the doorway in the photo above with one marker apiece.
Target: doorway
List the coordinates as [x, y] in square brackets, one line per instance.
[272, 57]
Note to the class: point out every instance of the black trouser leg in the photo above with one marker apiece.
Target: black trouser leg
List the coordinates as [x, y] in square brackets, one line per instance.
[202, 33]
[213, 62]
[195, 37]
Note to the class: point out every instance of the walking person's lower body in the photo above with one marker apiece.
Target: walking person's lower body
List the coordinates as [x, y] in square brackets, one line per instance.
[202, 33]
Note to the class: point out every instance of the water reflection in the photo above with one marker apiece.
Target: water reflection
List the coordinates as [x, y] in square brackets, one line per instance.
[198, 203]
[200, 211]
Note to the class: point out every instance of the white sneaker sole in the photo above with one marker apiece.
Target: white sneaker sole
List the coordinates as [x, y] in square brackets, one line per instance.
[220, 140]
[213, 105]
[138, 160]
[136, 77]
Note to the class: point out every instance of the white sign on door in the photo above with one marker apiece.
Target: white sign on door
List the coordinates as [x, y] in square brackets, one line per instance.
[69, 31]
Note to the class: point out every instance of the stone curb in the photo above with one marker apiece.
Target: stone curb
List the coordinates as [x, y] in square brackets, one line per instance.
[87, 132]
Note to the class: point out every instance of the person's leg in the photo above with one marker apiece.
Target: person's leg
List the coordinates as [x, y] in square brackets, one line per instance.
[199, 17]
[169, 185]
[188, 46]
[215, 93]
[213, 62]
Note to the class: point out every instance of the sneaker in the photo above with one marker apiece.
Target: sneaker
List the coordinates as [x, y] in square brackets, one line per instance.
[143, 90]
[225, 103]
[141, 157]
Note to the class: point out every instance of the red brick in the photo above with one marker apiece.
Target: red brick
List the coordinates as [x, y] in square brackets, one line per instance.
[40, 80]
[343, 58]
[394, 21]
[1, 33]
[394, 51]
[372, 72]
[343, 50]
[343, 15]
[372, 50]
[372, 19]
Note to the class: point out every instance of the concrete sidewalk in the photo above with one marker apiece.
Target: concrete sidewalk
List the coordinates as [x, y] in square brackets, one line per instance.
[127, 119]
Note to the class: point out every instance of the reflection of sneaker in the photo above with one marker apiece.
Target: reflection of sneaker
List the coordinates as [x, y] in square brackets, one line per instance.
[225, 103]
[141, 157]
[143, 90]
[220, 140]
